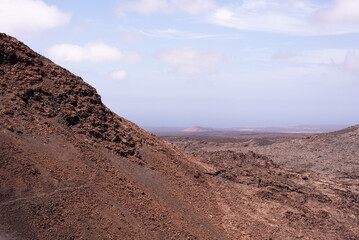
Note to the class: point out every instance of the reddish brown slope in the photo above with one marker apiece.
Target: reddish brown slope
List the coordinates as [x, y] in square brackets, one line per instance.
[72, 169]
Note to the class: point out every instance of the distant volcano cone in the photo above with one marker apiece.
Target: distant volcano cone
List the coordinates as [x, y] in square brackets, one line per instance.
[197, 129]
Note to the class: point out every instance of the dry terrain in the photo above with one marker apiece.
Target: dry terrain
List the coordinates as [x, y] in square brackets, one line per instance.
[335, 153]
[72, 169]
[326, 165]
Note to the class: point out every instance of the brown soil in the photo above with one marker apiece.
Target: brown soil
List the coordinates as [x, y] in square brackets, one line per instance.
[72, 169]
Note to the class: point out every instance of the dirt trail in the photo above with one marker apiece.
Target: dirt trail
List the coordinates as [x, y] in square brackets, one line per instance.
[43, 195]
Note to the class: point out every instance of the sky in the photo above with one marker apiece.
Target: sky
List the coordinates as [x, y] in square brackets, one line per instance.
[211, 63]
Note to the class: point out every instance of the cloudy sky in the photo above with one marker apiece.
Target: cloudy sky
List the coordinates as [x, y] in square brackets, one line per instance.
[212, 63]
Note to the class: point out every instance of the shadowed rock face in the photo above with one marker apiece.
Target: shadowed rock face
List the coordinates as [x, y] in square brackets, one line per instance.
[72, 169]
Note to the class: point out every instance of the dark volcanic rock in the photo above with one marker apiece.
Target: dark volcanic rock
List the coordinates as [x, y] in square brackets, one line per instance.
[41, 91]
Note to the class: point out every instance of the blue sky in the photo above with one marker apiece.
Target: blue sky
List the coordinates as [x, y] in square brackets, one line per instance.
[204, 62]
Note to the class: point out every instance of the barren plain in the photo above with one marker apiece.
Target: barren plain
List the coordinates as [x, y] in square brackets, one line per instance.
[290, 182]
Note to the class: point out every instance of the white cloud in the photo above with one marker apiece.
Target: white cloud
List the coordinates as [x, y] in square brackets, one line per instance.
[165, 6]
[334, 57]
[339, 59]
[283, 56]
[290, 17]
[194, 6]
[142, 6]
[119, 75]
[351, 62]
[130, 37]
[91, 52]
[131, 57]
[321, 56]
[189, 60]
[175, 34]
[19, 17]
[266, 16]
[343, 12]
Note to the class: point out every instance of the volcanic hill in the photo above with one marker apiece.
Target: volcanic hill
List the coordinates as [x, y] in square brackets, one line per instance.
[197, 129]
[72, 169]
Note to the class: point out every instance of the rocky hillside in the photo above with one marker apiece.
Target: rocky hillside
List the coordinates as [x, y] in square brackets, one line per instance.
[72, 169]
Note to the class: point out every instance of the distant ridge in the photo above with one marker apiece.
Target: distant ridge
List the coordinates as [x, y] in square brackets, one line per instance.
[244, 131]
